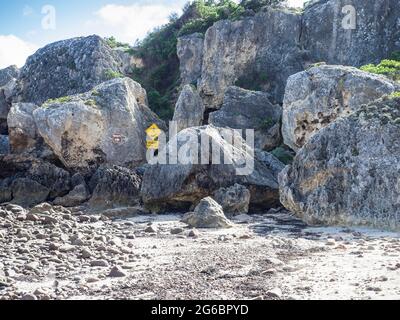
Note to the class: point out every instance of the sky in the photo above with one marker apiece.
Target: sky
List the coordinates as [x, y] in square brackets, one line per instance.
[25, 26]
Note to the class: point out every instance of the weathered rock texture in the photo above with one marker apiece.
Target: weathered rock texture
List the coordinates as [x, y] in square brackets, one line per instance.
[189, 110]
[190, 54]
[27, 181]
[375, 37]
[22, 128]
[264, 50]
[348, 173]
[234, 200]
[320, 95]
[244, 109]
[65, 68]
[181, 185]
[114, 187]
[104, 126]
[8, 78]
[261, 48]
[208, 214]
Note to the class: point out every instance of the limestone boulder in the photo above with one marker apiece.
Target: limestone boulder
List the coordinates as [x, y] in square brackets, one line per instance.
[323, 94]
[189, 110]
[106, 125]
[244, 109]
[347, 173]
[66, 68]
[190, 54]
[207, 214]
[197, 172]
[234, 200]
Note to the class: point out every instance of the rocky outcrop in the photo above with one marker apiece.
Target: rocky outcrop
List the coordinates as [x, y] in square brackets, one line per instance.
[190, 54]
[330, 34]
[114, 187]
[104, 126]
[65, 68]
[22, 128]
[320, 95]
[262, 50]
[27, 180]
[8, 78]
[189, 110]
[244, 109]
[234, 200]
[185, 183]
[207, 214]
[347, 174]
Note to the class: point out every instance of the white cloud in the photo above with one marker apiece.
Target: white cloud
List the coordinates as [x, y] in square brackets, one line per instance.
[14, 50]
[296, 3]
[130, 22]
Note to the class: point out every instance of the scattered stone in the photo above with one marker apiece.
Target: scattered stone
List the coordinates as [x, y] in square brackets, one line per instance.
[176, 231]
[99, 263]
[208, 214]
[117, 272]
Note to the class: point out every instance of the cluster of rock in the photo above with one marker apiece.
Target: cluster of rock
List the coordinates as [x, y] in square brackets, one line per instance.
[281, 52]
[71, 135]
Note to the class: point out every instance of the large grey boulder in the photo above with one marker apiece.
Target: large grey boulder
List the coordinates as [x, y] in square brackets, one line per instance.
[375, 36]
[8, 78]
[190, 54]
[348, 173]
[263, 48]
[207, 214]
[234, 200]
[184, 183]
[104, 126]
[320, 95]
[244, 109]
[189, 110]
[114, 187]
[67, 67]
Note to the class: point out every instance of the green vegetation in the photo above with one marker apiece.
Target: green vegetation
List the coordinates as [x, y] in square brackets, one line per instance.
[90, 103]
[57, 100]
[160, 73]
[110, 74]
[113, 43]
[395, 95]
[283, 154]
[389, 68]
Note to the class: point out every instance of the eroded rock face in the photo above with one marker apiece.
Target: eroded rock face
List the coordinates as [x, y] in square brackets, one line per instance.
[207, 214]
[114, 187]
[65, 68]
[189, 110]
[190, 54]
[27, 180]
[320, 95]
[348, 173]
[263, 48]
[22, 128]
[375, 36]
[244, 109]
[234, 200]
[183, 184]
[8, 78]
[104, 126]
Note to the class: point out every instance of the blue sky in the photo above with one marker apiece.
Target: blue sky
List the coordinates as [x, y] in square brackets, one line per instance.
[24, 27]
